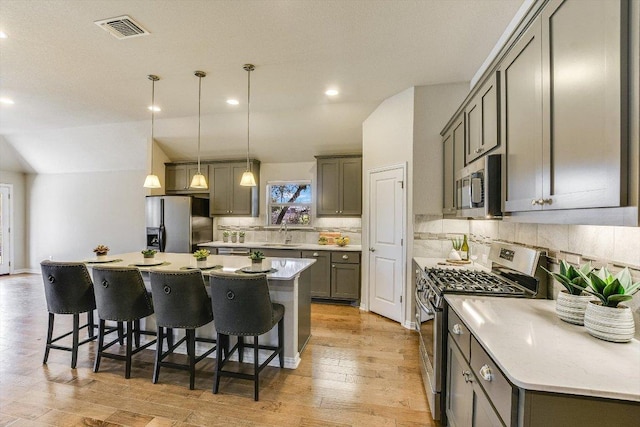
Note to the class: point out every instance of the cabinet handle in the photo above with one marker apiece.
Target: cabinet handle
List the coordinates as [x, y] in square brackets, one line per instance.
[546, 201]
[345, 256]
[337, 211]
[316, 254]
[535, 202]
[333, 266]
[374, 249]
[467, 376]
[485, 373]
[457, 329]
[479, 150]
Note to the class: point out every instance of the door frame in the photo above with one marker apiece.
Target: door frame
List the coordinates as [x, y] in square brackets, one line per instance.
[365, 303]
[9, 242]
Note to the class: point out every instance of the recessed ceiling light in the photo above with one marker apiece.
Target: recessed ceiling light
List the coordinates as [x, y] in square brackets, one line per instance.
[154, 108]
[233, 102]
[331, 92]
[7, 101]
[3, 35]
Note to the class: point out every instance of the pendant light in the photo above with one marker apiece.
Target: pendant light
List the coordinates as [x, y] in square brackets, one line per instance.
[248, 180]
[199, 181]
[152, 181]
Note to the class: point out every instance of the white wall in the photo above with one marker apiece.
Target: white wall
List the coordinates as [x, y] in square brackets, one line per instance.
[69, 214]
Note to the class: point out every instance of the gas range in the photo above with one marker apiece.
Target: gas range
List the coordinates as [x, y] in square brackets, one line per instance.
[471, 281]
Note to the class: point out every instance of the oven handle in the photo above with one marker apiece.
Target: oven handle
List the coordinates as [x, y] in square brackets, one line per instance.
[422, 306]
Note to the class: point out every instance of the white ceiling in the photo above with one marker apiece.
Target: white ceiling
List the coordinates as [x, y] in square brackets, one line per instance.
[65, 73]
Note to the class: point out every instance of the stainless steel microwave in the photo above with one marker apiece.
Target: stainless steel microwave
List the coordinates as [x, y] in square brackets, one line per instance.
[478, 188]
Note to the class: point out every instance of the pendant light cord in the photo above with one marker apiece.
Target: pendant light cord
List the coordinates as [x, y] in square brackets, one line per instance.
[153, 79]
[199, 105]
[248, 110]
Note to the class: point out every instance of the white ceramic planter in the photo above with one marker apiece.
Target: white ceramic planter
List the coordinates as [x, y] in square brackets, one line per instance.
[101, 257]
[609, 324]
[201, 263]
[571, 308]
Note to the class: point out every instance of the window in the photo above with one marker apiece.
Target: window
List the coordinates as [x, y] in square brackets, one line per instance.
[289, 201]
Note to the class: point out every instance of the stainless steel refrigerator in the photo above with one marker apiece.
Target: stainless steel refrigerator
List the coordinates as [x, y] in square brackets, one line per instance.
[177, 223]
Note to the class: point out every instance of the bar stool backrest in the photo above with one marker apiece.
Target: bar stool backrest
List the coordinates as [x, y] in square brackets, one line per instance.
[120, 294]
[241, 304]
[180, 299]
[67, 287]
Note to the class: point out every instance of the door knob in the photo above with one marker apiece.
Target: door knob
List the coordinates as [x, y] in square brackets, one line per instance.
[372, 249]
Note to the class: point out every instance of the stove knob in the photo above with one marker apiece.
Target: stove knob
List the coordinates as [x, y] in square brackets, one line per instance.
[457, 329]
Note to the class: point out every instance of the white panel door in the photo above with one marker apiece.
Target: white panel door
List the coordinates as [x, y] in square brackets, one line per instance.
[5, 216]
[386, 261]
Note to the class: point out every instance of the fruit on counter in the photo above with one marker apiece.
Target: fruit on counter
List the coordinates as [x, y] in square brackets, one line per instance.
[342, 241]
[322, 240]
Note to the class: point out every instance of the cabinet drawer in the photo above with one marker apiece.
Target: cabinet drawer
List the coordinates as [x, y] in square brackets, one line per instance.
[346, 257]
[460, 334]
[492, 381]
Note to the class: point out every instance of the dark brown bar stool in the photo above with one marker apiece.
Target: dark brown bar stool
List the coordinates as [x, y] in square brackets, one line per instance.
[68, 290]
[180, 301]
[242, 307]
[121, 297]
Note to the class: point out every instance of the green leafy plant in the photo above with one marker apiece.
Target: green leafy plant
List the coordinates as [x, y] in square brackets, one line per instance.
[456, 242]
[101, 250]
[610, 290]
[256, 256]
[241, 233]
[148, 252]
[234, 233]
[570, 278]
[225, 233]
[201, 254]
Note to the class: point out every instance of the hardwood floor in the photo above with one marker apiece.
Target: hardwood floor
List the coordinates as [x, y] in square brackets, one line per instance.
[358, 369]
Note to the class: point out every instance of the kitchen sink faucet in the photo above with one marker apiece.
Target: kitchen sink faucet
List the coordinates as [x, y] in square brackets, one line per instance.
[285, 230]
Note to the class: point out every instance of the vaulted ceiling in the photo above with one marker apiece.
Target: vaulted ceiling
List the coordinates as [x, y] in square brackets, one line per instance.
[81, 95]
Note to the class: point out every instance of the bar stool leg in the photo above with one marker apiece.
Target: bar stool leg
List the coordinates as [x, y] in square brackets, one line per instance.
[129, 337]
[136, 332]
[240, 348]
[256, 365]
[76, 340]
[281, 342]
[96, 365]
[91, 324]
[156, 370]
[191, 352]
[216, 380]
[120, 333]
[49, 338]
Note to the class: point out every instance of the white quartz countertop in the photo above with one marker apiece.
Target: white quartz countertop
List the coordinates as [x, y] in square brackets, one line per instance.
[273, 245]
[538, 351]
[285, 268]
[442, 263]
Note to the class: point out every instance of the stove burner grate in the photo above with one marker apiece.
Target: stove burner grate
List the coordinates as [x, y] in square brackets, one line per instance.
[463, 281]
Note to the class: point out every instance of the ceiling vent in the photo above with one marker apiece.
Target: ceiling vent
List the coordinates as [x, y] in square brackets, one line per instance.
[122, 27]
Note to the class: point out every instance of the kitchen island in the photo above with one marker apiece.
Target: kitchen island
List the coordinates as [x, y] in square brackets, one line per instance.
[288, 285]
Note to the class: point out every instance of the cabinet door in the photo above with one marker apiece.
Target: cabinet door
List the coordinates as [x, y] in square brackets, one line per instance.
[474, 128]
[459, 404]
[191, 171]
[176, 178]
[328, 197]
[345, 281]
[240, 197]
[448, 178]
[490, 115]
[320, 273]
[220, 185]
[351, 186]
[521, 87]
[483, 413]
[458, 145]
[584, 98]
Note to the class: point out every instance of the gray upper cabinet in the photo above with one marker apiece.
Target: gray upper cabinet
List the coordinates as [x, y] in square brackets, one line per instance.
[483, 120]
[563, 104]
[178, 177]
[228, 197]
[453, 161]
[584, 97]
[521, 74]
[339, 186]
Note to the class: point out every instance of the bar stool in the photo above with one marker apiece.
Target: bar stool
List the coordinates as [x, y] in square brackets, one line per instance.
[121, 297]
[68, 290]
[242, 307]
[180, 301]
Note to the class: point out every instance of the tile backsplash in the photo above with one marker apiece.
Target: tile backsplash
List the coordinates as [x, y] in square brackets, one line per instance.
[614, 247]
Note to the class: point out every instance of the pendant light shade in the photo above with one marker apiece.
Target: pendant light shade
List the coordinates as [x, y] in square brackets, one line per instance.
[199, 181]
[248, 180]
[152, 181]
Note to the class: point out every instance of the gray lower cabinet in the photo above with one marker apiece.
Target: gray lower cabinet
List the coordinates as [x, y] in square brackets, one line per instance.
[564, 116]
[345, 275]
[339, 186]
[320, 273]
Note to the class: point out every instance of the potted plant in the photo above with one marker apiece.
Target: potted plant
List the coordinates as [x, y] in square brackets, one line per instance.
[225, 236]
[607, 319]
[256, 257]
[572, 301]
[241, 236]
[201, 257]
[101, 251]
[148, 254]
[234, 236]
[456, 244]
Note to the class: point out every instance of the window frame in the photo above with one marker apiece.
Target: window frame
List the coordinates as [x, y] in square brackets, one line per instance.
[269, 204]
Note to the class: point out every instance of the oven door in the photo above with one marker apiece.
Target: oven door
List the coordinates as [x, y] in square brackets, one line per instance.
[428, 322]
